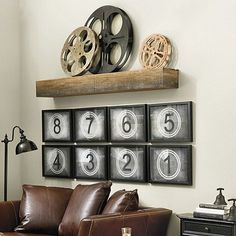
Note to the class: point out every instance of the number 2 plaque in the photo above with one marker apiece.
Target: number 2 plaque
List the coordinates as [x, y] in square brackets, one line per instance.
[127, 163]
[57, 125]
[170, 164]
[170, 122]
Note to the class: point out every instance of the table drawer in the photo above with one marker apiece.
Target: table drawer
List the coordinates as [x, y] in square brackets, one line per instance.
[203, 228]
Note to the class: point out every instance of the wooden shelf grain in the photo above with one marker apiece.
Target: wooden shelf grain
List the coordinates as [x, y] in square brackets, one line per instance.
[117, 82]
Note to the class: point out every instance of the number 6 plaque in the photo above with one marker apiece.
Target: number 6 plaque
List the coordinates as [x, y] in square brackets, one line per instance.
[57, 125]
[170, 122]
[128, 123]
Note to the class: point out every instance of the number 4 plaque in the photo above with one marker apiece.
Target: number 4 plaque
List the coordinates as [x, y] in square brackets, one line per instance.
[57, 125]
[170, 122]
[57, 161]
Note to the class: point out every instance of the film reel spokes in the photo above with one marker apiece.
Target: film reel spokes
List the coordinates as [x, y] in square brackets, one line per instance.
[155, 51]
[80, 51]
[115, 42]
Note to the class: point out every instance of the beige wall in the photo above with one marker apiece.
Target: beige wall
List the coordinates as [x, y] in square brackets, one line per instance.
[9, 90]
[203, 34]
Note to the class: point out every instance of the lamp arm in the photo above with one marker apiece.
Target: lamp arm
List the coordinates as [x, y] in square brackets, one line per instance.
[6, 140]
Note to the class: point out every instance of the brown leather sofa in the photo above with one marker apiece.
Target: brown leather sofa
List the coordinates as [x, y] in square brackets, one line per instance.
[48, 211]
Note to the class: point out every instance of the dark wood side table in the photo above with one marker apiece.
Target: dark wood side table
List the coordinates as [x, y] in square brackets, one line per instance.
[190, 225]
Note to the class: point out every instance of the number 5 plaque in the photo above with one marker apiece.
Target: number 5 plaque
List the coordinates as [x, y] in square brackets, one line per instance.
[128, 123]
[170, 122]
[57, 125]
[170, 164]
[127, 163]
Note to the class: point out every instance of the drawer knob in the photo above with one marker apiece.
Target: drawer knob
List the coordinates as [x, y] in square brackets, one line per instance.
[207, 229]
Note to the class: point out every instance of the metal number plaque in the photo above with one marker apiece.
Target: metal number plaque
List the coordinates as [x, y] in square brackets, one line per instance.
[57, 161]
[90, 124]
[91, 162]
[170, 122]
[170, 164]
[57, 125]
[127, 163]
[128, 123]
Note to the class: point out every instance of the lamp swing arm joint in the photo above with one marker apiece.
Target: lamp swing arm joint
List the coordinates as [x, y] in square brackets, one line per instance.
[6, 140]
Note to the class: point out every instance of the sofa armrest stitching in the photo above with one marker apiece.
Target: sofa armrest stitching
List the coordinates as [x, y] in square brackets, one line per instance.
[90, 228]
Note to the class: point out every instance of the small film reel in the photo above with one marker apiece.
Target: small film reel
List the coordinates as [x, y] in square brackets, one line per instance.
[155, 51]
[80, 52]
[115, 33]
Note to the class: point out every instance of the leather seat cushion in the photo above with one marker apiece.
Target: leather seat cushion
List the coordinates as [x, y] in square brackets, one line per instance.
[86, 200]
[25, 234]
[122, 201]
[42, 208]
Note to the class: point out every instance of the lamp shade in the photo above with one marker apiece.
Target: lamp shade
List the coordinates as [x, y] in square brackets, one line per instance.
[25, 145]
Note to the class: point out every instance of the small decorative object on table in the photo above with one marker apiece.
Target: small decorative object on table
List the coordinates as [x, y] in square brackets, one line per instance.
[126, 231]
[220, 199]
[232, 211]
[218, 210]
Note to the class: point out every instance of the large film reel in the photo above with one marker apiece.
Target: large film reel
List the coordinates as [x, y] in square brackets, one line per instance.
[80, 52]
[155, 51]
[115, 41]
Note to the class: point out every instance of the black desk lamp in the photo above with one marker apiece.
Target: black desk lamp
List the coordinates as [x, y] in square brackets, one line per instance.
[24, 145]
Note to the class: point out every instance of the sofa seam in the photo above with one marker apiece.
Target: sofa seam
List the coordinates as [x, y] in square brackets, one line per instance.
[16, 218]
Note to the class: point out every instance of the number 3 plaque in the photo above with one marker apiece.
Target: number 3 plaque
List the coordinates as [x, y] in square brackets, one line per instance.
[57, 125]
[170, 122]
[170, 164]
[127, 163]
[57, 161]
[128, 123]
[91, 162]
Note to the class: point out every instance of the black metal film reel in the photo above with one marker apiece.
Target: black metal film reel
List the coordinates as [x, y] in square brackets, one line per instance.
[111, 42]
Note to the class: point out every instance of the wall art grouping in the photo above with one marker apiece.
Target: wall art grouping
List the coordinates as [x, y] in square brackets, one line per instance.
[115, 143]
[131, 163]
[169, 122]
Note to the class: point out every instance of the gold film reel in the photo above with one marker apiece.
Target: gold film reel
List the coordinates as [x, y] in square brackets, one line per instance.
[155, 51]
[80, 52]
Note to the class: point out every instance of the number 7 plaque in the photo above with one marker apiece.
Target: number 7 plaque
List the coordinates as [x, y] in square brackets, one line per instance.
[90, 124]
[170, 122]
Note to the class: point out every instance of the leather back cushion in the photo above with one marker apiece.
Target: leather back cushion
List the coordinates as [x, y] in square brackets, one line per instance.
[42, 208]
[85, 201]
[122, 201]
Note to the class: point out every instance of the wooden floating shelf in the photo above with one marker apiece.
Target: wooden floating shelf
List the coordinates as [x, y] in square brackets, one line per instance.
[117, 82]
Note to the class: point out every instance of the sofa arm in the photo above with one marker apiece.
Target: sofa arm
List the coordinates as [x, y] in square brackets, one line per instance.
[145, 222]
[9, 215]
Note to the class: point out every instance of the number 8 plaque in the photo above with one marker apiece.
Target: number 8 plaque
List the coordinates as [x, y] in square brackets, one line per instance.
[127, 163]
[170, 122]
[57, 125]
[128, 123]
